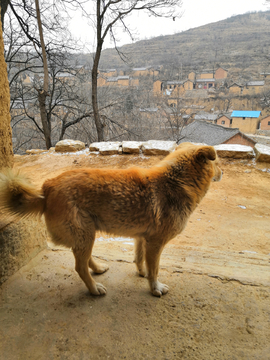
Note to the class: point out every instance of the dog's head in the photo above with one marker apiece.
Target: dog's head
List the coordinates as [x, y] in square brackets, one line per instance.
[204, 156]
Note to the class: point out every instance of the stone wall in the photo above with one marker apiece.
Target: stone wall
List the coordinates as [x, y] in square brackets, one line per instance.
[19, 243]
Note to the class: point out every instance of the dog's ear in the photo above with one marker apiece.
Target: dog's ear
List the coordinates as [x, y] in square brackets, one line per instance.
[206, 152]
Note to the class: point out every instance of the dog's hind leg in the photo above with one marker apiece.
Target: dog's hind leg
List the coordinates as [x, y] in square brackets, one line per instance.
[97, 267]
[82, 255]
[140, 256]
[152, 257]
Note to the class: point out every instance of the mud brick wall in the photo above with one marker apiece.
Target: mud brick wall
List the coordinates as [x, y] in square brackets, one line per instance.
[19, 243]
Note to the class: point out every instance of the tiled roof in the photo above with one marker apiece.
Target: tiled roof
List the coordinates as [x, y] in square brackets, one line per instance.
[207, 133]
[255, 83]
[205, 116]
[205, 80]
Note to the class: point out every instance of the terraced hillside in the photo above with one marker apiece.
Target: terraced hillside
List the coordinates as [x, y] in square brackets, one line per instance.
[241, 41]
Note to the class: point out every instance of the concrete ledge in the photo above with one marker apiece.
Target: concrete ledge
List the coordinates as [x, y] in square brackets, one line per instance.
[19, 243]
[262, 153]
[234, 151]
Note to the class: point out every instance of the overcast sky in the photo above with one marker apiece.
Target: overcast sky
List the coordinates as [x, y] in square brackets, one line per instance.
[195, 13]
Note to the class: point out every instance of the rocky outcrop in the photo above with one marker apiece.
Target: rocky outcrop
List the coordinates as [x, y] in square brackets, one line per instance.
[131, 147]
[234, 151]
[19, 243]
[262, 153]
[106, 148]
[69, 146]
[157, 147]
[151, 147]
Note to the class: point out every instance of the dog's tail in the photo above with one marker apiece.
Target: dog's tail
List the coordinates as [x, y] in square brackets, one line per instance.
[18, 197]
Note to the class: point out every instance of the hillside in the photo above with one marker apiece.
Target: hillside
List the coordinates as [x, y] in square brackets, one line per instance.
[241, 41]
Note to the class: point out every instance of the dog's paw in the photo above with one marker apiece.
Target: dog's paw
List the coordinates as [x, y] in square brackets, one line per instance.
[101, 269]
[159, 289]
[99, 289]
[142, 272]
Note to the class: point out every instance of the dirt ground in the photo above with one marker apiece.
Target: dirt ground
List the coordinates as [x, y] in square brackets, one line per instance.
[218, 272]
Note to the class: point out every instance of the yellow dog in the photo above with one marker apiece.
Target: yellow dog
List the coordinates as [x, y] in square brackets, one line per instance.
[150, 205]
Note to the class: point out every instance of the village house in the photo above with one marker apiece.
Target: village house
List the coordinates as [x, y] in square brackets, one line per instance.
[224, 120]
[205, 83]
[220, 74]
[66, 77]
[265, 123]
[253, 87]
[236, 89]
[144, 71]
[157, 87]
[207, 74]
[124, 80]
[208, 117]
[107, 73]
[203, 132]
[246, 121]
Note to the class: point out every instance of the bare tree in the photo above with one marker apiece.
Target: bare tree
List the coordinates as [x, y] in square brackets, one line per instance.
[108, 14]
[43, 91]
[6, 158]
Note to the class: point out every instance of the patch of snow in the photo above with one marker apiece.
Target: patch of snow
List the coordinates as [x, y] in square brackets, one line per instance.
[249, 252]
[81, 152]
[242, 206]
[263, 149]
[233, 147]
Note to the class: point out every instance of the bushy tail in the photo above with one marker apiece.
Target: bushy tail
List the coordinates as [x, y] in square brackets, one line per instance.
[18, 196]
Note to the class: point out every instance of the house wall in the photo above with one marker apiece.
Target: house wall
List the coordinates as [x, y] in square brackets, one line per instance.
[225, 120]
[206, 76]
[123, 82]
[157, 86]
[178, 90]
[252, 90]
[238, 139]
[265, 123]
[205, 85]
[101, 81]
[188, 85]
[234, 89]
[109, 73]
[220, 73]
[247, 125]
[192, 76]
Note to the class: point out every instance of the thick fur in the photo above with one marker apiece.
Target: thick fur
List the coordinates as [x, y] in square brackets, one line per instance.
[150, 205]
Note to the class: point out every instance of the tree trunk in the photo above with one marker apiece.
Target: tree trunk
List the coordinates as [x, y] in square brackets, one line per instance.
[43, 93]
[6, 152]
[43, 114]
[99, 125]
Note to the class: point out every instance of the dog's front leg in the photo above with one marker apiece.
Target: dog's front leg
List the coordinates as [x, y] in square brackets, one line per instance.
[152, 257]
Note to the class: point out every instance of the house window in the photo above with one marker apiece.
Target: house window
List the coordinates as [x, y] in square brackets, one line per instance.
[230, 121]
[222, 122]
[268, 122]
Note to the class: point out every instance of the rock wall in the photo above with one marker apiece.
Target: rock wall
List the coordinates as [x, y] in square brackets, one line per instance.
[19, 243]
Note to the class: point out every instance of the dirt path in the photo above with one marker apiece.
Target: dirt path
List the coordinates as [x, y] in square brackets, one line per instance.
[218, 271]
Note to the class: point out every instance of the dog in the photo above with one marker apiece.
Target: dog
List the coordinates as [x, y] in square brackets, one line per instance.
[151, 205]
